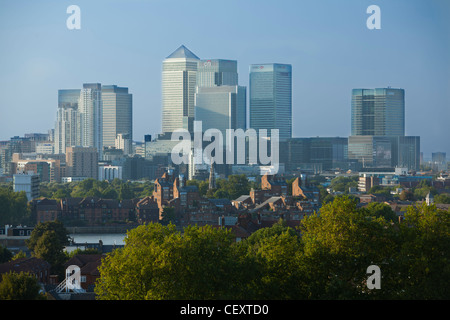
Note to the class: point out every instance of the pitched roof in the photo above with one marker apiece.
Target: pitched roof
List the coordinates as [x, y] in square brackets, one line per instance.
[183, 53]
[31, 265]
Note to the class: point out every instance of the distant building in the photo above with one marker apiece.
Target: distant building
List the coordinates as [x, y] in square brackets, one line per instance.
[179, 78]
[378, 112]
[28, 183]
[66, 120]
[109, 172]
[117, 116]
[220, 102]
[271, 98]
[82, 162]
[90, 113]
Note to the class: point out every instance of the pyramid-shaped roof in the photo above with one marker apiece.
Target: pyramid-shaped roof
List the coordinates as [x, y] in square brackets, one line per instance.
[183, 52]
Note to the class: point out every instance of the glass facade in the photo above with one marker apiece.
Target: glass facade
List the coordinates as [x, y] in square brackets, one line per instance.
[179, 78]
[329, 152]
[220, 103]
[117, 114]
[271, 98]
[66, 120]
[378, 112]
[90, 121]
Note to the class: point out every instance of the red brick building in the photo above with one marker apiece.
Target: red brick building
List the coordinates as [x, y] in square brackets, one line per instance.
[36, 267]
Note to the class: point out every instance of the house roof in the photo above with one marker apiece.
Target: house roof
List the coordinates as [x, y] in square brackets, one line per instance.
[88, 263]
[31, 265]
[242, 198]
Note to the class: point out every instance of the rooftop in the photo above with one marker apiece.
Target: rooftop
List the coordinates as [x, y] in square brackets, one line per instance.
[183, 53]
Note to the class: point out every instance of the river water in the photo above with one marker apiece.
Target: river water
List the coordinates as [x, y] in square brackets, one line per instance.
[107, 239]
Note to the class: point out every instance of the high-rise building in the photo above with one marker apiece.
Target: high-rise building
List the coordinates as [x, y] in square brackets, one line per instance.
[28, 182]
[179, 78]
[220, 103]
[82, 162]
[271, 98]
[117, 114]
[66, 120]
[378, 112]
[90, 111]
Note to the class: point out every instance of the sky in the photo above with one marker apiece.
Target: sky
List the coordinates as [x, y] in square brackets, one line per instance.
[327, 42]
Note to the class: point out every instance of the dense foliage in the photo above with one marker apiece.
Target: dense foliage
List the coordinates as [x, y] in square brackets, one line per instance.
[326, 258]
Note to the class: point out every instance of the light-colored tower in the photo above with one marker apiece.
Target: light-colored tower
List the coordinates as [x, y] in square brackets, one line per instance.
[90, 124]
[178, 89]
[66, 120]
[117, 114]
[220, 103]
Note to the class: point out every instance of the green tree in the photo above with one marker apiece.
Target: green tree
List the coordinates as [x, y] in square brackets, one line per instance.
[47, 242]
[273, 255]
[19, 286]
[424, 258]
[378, 209]
[339, 245]
[5, 254]
[159, 262]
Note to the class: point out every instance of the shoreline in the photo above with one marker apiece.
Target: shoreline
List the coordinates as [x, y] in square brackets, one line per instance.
[100, 229]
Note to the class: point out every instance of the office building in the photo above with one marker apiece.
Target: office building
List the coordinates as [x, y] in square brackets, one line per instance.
[271, 98]
[66, 120]
[82, 162]
[27, 182]
[315, 154]
[371, 151]
[220, 103]
[179, 78]
[378, 112]
[90, 112]
[117, 115]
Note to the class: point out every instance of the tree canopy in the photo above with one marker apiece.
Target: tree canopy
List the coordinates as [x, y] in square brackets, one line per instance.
[327, 257]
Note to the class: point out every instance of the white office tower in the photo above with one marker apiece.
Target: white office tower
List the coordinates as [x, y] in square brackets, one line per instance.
[220, 103]
[179, 76]
[90, 123]
[66, 120]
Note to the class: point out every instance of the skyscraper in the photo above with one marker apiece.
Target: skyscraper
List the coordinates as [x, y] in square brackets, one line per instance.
[179, 78]
[378, 112]
[66, 120]
[271, 98]
[220, 103]
[117, 114]
[90, 111]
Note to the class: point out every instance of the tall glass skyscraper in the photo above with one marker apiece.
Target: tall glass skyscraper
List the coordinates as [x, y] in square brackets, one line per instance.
[179, 78]
[66, 120]
[117, 114]
[271, 98]
[220, 103]
[378, 112]
[90, 111]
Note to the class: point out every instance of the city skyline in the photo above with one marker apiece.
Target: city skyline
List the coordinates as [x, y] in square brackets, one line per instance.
[328, 45]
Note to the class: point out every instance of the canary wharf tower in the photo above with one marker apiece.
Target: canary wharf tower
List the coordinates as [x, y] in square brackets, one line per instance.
[179, 78]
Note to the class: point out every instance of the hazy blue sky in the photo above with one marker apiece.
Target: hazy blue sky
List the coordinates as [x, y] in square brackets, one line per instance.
[331, 50]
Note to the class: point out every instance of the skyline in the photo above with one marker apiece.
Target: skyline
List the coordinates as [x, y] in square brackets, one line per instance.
[124, 43]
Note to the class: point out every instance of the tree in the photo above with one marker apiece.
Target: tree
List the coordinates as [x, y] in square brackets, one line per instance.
[339, 245]
[378, 209]
[13, 207]
[273, 256]
[424, 258]
[19, 286]
[5, 254]
[159, 262]
[47, 242]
